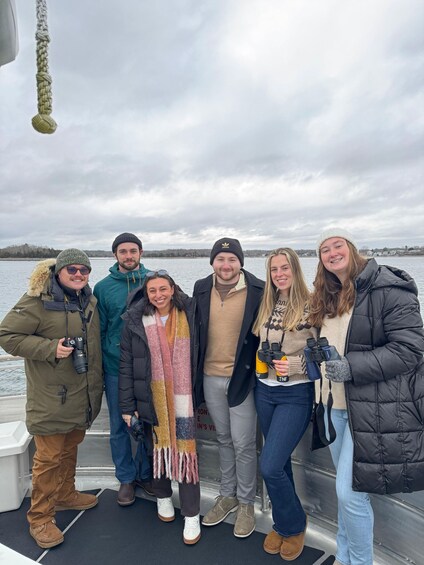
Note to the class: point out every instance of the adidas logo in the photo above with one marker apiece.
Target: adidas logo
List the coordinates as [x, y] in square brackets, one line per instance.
[225, 245]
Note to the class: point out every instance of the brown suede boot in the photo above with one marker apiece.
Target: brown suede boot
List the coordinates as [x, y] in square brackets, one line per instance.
[292, 547]
[78, 501]
[273, 542]
[47, 535]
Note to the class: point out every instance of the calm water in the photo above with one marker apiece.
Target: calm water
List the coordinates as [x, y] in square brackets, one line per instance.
[14, 280]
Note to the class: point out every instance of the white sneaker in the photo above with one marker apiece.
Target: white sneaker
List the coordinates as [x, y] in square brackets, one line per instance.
[166, 511]
[191, 534]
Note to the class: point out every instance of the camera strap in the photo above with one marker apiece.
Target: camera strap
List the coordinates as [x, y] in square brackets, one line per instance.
[66, 318]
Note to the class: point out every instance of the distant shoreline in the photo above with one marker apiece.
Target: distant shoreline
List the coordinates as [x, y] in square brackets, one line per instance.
[418, 253]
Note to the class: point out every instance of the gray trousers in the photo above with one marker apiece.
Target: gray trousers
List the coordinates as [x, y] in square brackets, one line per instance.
[236, 436]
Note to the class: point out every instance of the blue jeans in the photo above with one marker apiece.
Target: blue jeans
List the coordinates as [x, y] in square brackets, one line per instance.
[284, 414]
[127, 468]
[355, 513]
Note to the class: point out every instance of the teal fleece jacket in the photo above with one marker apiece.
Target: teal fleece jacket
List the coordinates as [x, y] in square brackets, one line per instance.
[111, 293]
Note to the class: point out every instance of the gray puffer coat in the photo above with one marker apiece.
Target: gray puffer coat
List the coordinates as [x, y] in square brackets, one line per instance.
[385, 400]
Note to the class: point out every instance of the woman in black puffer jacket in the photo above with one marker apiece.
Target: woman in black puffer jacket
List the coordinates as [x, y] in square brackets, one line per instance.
[158, 361]
[371, 314]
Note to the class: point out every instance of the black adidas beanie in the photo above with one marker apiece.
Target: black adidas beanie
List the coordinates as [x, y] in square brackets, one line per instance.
[227, 245]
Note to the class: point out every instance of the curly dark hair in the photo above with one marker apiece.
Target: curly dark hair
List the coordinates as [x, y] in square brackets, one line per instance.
[177, 299]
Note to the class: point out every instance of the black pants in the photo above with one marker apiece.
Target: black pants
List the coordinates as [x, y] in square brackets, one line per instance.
[189, 494]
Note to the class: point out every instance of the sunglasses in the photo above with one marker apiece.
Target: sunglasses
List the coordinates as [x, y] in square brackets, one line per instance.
[74, 270]
[159, 273]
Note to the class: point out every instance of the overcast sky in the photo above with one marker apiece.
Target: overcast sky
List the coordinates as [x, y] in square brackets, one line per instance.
[184, 121]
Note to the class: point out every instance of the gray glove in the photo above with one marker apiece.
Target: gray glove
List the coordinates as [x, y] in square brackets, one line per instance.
[338, 371]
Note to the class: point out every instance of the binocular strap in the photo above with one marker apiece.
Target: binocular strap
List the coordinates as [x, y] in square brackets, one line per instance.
[319, 422]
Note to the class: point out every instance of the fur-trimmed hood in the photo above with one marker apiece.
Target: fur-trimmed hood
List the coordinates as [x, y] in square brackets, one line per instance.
[39, 277]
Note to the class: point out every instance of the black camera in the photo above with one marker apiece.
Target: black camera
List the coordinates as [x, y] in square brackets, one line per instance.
[79, 357]
[136, 429]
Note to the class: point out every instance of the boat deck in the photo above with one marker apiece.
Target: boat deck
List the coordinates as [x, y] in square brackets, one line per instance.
[111, 534]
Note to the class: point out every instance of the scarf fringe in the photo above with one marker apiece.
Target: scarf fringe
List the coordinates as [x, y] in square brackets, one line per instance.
[177, 466]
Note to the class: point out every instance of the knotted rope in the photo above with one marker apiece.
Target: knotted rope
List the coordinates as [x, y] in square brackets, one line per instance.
[43, 122]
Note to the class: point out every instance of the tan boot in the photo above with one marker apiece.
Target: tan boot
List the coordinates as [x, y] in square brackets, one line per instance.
[78, 501]
[47, 535]
[273, 542]
[292, 547]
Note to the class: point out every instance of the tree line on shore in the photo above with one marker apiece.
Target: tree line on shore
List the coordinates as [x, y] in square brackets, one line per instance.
[27, 251]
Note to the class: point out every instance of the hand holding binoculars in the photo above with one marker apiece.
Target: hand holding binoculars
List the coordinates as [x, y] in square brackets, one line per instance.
[317, 351]
[265, 357]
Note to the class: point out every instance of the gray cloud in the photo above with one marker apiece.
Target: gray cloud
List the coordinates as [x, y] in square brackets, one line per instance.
[182, 121]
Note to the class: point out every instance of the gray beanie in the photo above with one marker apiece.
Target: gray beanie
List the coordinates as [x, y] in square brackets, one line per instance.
[71, 257]
[227, 245]
[335, 232]
[126, 238]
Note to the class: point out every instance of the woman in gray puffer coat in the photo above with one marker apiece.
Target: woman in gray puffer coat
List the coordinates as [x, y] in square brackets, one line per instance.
[371, 314]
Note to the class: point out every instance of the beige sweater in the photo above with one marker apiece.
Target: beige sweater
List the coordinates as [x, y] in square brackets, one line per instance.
[225, 320]
[335, 330]
[293, 345]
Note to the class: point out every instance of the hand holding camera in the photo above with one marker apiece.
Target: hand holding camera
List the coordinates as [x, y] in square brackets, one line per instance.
[62, 351]
[79, 356]
[136, 428]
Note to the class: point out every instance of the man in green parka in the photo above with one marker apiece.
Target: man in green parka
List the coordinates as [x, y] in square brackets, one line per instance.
[126, 275]
[64, 381]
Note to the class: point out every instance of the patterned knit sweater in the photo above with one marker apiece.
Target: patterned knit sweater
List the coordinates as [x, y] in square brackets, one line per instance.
[293, 344]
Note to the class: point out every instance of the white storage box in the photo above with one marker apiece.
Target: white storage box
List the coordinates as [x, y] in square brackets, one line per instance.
[14, 464]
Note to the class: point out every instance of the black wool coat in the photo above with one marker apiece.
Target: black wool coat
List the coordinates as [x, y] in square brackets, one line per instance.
[243, 379]
[385, 399]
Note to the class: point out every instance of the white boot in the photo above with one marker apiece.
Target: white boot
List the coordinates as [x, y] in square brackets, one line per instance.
[191, 534]
[166, 511]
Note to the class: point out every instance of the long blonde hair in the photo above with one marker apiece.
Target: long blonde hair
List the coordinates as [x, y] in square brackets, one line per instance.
[298, 293]
[330, 297]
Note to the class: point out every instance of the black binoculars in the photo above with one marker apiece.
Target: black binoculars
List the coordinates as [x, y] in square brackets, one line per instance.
[79, 358]
[265, 357]
[317, 351]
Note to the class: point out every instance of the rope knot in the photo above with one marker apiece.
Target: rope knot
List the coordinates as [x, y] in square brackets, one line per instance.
[42, 36]
[43, 123]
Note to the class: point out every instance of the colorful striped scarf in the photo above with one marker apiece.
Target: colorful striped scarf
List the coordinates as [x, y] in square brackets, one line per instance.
[174, 446]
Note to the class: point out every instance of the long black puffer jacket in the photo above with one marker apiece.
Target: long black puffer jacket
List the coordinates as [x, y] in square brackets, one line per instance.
[135, 373]
[385, 400]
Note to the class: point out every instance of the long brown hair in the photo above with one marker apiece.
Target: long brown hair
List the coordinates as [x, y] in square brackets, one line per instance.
[298, 293]
[331, 297]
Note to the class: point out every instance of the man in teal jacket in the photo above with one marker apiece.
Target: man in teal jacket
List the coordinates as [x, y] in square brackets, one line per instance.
[111, 292]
